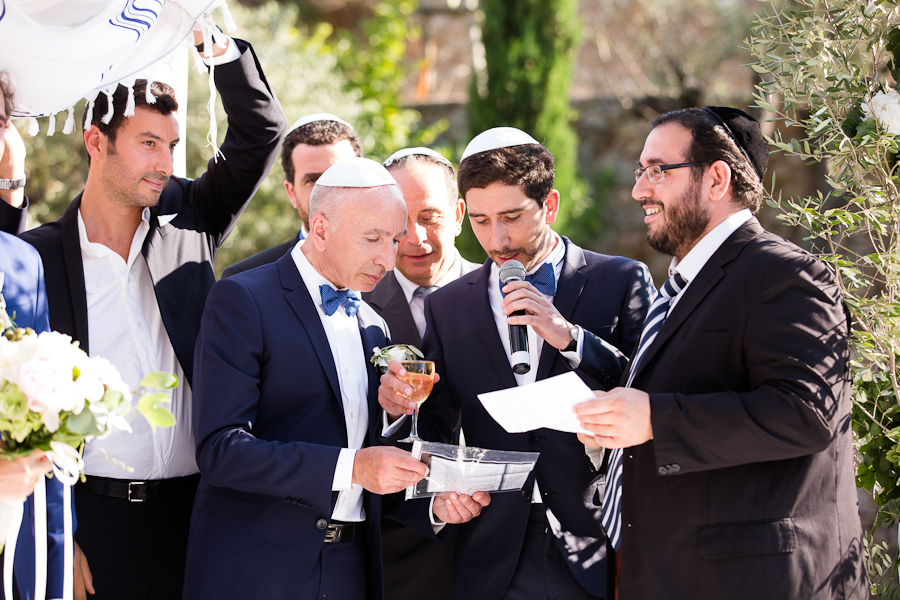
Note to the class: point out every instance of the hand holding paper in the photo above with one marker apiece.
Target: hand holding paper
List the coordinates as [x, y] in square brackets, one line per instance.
[547, 403]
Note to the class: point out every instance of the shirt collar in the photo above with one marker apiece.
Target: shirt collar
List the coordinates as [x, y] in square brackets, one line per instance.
[453, 274]
[312, 279]
[555, 258]
[96, 250]
[700, 254]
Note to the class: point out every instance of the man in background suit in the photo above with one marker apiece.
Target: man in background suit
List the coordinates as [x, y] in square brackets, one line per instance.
[312, 144]
[128, 269]
[737, 477]
[286, 411]
[546, 542]
[427, 259]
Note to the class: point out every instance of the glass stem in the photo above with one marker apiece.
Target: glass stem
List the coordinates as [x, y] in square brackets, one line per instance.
[415, 423]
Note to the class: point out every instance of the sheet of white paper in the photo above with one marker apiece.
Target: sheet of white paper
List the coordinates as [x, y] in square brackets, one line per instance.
[547, 403]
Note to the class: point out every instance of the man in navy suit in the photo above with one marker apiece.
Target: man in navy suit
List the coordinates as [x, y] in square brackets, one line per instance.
[284, 411]
[583, 312]
[22, 287]
[311, 145]
[737, 476]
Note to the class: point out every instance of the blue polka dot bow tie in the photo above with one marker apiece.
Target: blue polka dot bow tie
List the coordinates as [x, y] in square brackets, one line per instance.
[543, 280]
[332, 298]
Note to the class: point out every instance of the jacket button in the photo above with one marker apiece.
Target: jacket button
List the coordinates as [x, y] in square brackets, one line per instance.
[534, 438]
[663, 470]
[321, 524]
[674, 468]
[526, 494]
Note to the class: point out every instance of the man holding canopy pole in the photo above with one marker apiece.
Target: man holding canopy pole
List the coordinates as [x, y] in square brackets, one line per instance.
[128, 268]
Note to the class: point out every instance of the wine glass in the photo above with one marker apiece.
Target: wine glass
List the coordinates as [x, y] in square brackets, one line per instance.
[420, 377]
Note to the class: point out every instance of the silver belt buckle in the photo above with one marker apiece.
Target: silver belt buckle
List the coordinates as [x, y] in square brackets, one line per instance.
[131, 483]
[333, 533]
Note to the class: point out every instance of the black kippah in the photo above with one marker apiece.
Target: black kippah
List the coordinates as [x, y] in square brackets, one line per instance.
[746, 133]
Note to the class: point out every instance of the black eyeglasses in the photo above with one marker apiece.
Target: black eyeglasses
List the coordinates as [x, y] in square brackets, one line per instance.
[656, 173]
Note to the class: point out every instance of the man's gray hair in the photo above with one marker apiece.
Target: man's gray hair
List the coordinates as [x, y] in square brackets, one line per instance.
[329, 200]
[424, 159]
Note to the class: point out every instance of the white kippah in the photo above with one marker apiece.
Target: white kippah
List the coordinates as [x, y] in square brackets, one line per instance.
[498, 137]
[356, 173]
[418, 151]
[317, 117]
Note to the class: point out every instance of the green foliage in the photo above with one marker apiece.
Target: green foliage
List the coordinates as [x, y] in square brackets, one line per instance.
[373, 67]
[819, 62]
[530, 49]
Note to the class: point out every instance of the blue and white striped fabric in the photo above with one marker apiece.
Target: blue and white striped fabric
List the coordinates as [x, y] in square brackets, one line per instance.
[611, 515]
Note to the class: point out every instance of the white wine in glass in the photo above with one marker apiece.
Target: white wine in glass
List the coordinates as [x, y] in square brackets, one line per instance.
[420, 377]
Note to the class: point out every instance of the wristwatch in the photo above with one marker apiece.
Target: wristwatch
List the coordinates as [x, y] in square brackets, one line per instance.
[573, 345]
[12, 184]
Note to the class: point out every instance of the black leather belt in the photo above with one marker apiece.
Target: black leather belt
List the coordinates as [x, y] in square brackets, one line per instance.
[340, 532]
[140, 491]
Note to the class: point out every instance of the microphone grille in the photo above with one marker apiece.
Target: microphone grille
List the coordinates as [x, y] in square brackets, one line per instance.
[512, 270]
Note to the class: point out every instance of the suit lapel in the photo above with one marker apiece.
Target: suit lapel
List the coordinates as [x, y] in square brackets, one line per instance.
[707, 279]
[71, 243]
[568, 290]
[304, 306]
[390, 301]
[479, 307]
[372, 335]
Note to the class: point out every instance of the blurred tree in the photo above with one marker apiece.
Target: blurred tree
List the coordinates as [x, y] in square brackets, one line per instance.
[667, 54]
[529, 53]
[301, 67]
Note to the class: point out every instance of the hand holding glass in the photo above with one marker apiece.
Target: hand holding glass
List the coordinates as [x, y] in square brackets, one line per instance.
[420, 377]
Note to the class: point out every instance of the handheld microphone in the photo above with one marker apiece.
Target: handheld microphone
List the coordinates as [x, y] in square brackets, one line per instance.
[513, 270]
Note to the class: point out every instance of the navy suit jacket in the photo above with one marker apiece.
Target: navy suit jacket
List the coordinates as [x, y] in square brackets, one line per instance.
[269, 426]
[609, 297]
[26, 303]
[747, 489]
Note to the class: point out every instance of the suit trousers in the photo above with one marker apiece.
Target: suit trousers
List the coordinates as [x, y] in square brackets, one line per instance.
[542, 572]
[414, 566]
[135, 550]
[339, 572]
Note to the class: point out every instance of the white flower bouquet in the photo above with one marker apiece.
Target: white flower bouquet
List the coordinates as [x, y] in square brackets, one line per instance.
[54, 398]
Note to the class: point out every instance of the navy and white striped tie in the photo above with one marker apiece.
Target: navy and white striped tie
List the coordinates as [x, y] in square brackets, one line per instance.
[611, 514]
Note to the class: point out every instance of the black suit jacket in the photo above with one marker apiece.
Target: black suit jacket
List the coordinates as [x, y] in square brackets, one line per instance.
[267, 447]
[263, 257]
[747, 489]
[606, 295]
[389, 301]
[179, 252]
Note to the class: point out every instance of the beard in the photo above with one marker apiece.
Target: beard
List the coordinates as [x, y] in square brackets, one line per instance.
[685, 221]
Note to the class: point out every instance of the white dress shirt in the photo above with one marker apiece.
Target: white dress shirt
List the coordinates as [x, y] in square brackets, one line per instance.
[689, 267]
[126, 328]
[417, 305]
[345, 344]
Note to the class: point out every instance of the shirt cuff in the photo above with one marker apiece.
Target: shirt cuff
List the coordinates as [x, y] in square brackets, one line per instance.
[231, 54]
[343, 471]
[596, 456]
[574, 357]
[436, 523]
[388, 429]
